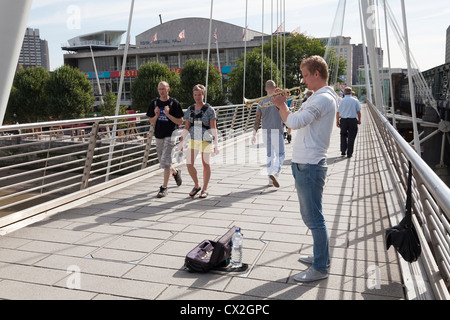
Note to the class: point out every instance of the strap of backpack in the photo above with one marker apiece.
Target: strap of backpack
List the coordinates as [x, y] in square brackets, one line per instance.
[192, 116]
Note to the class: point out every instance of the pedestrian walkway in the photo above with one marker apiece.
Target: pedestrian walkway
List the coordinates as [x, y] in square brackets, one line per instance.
[129, 244]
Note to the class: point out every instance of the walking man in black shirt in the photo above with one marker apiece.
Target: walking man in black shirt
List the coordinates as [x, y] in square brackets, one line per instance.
[166, 115]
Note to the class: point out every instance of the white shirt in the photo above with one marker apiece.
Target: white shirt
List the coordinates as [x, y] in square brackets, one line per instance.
[314, 122]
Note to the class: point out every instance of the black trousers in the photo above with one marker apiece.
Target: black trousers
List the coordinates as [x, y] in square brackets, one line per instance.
[349, 131]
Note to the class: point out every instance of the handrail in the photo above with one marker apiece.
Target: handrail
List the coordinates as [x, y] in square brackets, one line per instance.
[431, 200]
[43, 162]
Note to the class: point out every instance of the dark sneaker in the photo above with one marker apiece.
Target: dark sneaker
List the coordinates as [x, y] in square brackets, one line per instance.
[274, 180]
[177, 177]
[162, 192]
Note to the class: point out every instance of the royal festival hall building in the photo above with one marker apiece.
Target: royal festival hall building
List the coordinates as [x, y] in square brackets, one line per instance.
[172, 43]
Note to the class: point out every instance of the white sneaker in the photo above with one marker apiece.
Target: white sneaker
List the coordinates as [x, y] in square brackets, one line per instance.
[310, 275]
[307, 259]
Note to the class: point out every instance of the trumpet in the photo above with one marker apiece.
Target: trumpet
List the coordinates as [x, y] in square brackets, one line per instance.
[249, 102]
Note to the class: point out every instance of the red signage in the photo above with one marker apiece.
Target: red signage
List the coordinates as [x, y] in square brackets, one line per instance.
[127, 74]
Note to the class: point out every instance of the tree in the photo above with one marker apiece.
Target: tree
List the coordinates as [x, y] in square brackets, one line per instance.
[28, 100]
[145, 87]
[193, 73]
[252, 76]
[333, 61]
[298, 48]
[108, 107]
[69, 94]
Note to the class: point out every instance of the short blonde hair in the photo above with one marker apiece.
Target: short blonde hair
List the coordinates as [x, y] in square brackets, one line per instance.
[270, 84]
[316, 63]
[164, 83]
[199, 87]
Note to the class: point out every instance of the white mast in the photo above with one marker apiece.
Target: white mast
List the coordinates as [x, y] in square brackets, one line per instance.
[13, 23]
[119, 96]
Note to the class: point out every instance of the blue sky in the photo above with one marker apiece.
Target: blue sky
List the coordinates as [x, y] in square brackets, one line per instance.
[61, 20]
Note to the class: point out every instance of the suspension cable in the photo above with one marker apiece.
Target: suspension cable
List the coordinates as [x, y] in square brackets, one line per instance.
[417, 75]
[338, 24]
[245, 49]
[271, 41]
[209, 50]
[364, 47]
[391, 85]
[262, 51]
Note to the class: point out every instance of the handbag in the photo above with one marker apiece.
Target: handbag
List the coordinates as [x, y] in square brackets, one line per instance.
[404, 236]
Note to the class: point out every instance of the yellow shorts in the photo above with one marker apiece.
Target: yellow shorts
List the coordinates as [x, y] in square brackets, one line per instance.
[200, 145]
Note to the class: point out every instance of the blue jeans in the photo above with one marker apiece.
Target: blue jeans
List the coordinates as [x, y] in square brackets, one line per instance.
[274, 141]
[309, 182]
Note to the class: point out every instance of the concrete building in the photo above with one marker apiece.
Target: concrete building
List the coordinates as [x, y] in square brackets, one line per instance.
[344, 50]
[354, 57]
[172, 43]
[34, 52]
[358, 63]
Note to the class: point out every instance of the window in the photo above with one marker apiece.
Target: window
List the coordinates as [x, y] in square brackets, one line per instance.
[170, 60]
[145, 59]
[106, 64]
[187, 56]
[233, 56]
[213, 59]
[131, 63]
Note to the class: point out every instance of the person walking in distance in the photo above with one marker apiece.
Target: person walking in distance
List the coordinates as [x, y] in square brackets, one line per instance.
[348, 117]
[314, 125]
[166, 115]
[273, 134]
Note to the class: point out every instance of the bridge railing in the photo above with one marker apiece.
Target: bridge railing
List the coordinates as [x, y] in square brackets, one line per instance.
[47, 164]
[430, 202]
[46, 161]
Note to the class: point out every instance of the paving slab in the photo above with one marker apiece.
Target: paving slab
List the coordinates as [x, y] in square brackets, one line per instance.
[131, 245]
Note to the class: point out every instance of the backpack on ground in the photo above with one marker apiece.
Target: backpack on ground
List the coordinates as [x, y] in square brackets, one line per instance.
[208, 254]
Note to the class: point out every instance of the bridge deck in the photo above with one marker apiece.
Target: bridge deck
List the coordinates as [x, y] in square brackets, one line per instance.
[130, 245]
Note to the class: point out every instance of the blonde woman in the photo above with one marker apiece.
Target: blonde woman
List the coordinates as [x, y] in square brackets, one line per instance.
[201, 126]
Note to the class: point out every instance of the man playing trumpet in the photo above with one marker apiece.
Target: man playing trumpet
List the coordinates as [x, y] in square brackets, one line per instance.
[273, 136]
[314, 125]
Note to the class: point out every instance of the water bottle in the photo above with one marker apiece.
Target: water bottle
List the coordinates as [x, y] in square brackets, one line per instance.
[236, 251]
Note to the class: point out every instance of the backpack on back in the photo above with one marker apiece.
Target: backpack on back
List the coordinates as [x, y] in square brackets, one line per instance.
[193, 116]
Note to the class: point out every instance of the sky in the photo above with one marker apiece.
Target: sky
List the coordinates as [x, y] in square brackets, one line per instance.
[427, 21]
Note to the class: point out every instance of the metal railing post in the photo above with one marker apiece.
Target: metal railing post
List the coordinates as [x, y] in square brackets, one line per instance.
[148, 145]
[248, 119]
[90, 156]
[230, 132]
